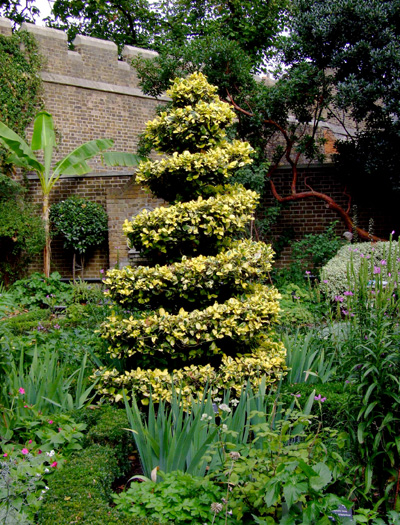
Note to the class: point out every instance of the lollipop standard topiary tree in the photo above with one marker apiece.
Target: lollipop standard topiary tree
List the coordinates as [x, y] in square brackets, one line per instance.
[204, 312]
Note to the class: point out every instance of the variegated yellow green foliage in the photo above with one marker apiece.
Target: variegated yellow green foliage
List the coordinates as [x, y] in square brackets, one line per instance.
[194, 122]
[199, 226]
[187, 335]
[190, 381]
[198, 279]
[187, 174]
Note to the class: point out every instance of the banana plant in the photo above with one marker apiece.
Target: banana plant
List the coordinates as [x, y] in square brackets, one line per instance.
[75, 163]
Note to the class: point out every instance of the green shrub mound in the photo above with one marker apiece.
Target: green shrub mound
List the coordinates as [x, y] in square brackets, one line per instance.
[203, 294]
[341, 272]
[81, 491]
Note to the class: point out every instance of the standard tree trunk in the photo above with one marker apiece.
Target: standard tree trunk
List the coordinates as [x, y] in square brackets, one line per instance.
[47, 248]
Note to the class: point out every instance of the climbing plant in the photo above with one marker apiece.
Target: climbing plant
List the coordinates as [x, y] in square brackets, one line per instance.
[199, 310]
[21, 85]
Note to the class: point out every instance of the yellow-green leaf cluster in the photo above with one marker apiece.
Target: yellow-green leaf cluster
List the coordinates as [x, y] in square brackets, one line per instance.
[183, 335]
[198, 279]
[185, 228]
[188, 173]
[190, 381]
[191, 90]
[192, 125]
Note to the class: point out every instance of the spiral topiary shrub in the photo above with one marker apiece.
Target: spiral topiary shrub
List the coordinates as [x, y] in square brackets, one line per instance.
[206, 313]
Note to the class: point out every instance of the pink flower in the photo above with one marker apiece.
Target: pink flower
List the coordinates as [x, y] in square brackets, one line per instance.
[26, 406]
[54, 464]
[377, 269]
[5, 455]
[59, 429]
[39, 451]
[25, 451]
[102, 271]
[21, 390]
[30, 441]
[319, 398]
[393, 232]
[50, 421]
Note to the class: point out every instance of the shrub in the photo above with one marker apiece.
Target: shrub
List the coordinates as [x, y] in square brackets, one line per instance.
[81, 491]
[211, 300]
[337, 276]
[83, 224]
[21, 230]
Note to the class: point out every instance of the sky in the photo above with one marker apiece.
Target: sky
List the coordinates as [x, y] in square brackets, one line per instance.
[44, 6]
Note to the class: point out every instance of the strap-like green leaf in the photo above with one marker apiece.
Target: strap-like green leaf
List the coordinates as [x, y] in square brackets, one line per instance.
[119, 158]
[23, 156]
[75, 162]
[44, 138]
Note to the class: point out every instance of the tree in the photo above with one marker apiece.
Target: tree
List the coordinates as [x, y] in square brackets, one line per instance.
[161, 24]
[207, 304]
[18, 11]
[357, 44]
[83, 224]
[125, 22]
[75, 163]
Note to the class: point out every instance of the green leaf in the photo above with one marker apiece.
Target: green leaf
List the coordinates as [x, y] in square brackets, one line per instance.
[22, 156]
[324, 476]
[75, 162]
[118, 158]
[292, 490]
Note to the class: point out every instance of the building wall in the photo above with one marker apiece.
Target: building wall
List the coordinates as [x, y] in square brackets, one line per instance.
[92, 94]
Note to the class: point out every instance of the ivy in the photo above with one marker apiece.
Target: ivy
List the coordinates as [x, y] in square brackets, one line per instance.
[21, 84]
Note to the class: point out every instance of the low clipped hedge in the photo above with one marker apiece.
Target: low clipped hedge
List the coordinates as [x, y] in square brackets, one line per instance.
[81, 491]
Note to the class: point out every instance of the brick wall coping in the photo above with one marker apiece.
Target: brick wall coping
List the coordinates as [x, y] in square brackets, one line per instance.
[33, 176]
[6, 24]
[55, 78]
[305, 166]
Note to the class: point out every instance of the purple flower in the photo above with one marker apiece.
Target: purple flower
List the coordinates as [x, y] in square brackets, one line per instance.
[377, 269]
[56, 326]
[345, 312]
[102, 271]
[308, 272]
[319, 398]
[393, 232]
[296, 395]
[348, 293]
[339, 298]
[383, 262]
[325, 281]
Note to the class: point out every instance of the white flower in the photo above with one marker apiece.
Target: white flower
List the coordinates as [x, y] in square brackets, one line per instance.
[46, 470]
[224, 407]
[234, 402]
[217, 400]
[205, 417]
[51, 453]
[224, 428]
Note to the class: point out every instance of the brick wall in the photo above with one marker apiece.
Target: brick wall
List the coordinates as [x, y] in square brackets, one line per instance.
[312, 215]
[91, 94]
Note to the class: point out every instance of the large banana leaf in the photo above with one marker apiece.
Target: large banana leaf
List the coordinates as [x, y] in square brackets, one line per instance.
[22, 154]
[118, 158]
[75, 162]
[44, 138]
